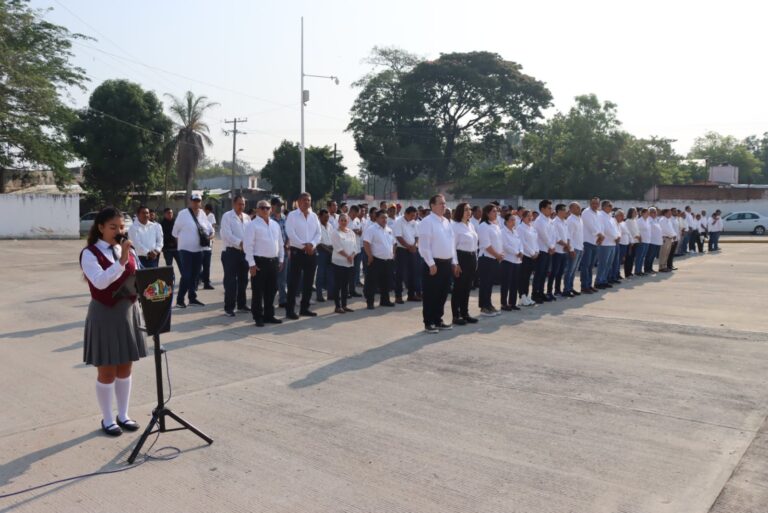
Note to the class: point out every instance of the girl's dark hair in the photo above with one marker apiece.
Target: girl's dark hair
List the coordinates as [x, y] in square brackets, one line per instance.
[631, 213]
[102, 217]
[507, 216]
[487, 210]
[525, 213]
[458, 212]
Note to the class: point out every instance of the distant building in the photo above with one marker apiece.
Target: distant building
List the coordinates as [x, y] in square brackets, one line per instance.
[724, 174]
[242, 182]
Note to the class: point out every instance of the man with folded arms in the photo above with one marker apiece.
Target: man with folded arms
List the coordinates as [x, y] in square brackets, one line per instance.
[264, 251]
[303, 230]
[147, 238]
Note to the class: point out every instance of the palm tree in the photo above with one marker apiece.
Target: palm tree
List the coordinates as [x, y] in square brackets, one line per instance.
[189, 143]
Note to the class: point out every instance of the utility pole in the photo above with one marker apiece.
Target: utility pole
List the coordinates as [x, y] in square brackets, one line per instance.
[234, 133]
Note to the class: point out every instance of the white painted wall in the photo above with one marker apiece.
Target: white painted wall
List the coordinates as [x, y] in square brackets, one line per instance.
[39, 216]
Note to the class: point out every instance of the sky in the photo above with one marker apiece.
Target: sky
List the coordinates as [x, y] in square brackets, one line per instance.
[675, 69]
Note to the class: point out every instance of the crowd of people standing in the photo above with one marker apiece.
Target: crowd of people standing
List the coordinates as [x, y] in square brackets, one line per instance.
[389, 255]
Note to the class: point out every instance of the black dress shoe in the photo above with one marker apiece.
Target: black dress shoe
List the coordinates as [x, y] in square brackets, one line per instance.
[291, 315]
[229, 314]
[388, 303]
[281, 305]
[320, 299]
[208, 286]
[575, 293]
[273, 320]
[181, 305]
[128, 425]
[196, 302]
[444, 326]
[308, 313]
[370, 306]
[111, 430]
[399, 301]
[458, 321]
[243, 310]
[514, 307]
[259, 323]
[470, 320]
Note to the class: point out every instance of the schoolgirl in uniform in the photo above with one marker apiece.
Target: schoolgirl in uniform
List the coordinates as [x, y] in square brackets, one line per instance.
[113, 340]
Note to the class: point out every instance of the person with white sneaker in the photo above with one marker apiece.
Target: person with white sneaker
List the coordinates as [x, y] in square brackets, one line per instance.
[530, 243]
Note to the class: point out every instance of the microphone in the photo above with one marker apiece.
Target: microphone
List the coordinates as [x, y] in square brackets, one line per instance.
[120, 237]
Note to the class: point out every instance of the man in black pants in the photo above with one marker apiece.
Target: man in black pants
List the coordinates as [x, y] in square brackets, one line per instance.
[438, 249]
[378, 243]
[264, 251]
[303, 230]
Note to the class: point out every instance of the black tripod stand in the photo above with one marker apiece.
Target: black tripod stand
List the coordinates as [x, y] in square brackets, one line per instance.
[161, 411]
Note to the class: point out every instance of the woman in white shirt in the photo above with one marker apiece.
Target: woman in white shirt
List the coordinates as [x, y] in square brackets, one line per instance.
[344, 242]
[491, 255]
[529, 240]
[466, 241]
[510, 266]
[112, 339]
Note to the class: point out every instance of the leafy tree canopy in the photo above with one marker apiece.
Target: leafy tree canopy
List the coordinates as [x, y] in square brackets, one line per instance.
[719, 149]
[35, 69]
[323, 171]
[122, 136]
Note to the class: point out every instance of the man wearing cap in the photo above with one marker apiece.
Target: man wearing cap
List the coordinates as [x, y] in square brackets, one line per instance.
[303, 230]
[233, 224]
[190, 229]
[282, 274]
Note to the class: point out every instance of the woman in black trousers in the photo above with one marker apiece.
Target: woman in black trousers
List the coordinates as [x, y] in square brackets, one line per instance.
[491, 254]
[510, 266]
[465, 238]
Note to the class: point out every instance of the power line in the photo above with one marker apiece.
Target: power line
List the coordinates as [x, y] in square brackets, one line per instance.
[234, 133]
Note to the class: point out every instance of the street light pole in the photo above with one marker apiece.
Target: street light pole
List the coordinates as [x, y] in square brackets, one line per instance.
[304, 100]
[303, 168]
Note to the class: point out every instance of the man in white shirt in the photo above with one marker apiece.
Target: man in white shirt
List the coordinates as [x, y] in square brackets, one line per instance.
[693, 229]
[606, 249]
[282, 275]
[303, 230]
[576, 241]
[324, 275]
[546, 242]
[190, 229]
[438, 249]
[378, 244]
[333, 214]
[656, 240]
[205, 269]
[405, 255]
[265, 253]
[562, 250]
[644, 244]
[232, 232]
[668, 235]
[593, 238]
[147, 238]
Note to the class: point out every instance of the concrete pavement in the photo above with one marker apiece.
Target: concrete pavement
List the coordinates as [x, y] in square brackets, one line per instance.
[647, 398]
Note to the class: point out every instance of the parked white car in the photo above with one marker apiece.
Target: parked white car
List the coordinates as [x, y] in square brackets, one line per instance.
[87, 221]
[745, 222]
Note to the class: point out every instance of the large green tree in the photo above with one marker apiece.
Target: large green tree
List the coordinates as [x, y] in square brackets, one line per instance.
[323, 171]
[718, 149]
[758, 145]
[393, 136]
[192, 135]
[473, 96]
[35, 70]
[122, 136]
